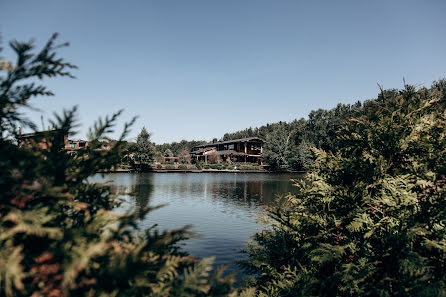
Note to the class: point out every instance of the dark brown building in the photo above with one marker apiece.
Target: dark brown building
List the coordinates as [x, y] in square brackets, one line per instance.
[41, 139]
[244, 150]
[44, 139]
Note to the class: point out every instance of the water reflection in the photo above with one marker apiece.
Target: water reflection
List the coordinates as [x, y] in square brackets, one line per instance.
[135, 189]
[143, 189]
[221, 207]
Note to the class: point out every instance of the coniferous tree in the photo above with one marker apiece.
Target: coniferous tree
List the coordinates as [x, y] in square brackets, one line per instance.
[168, 153]
[369, 220]
[144, 149]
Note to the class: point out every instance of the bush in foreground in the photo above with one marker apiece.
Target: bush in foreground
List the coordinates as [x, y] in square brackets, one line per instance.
[59, 233]
[370, 219]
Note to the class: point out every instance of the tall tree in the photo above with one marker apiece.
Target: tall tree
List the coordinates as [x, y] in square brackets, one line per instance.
[144, 148]
[279, 150]
[184, 156]
[168, 153]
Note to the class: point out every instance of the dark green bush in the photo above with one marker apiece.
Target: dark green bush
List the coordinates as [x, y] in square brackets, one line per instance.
[370, 219]
[59, 233]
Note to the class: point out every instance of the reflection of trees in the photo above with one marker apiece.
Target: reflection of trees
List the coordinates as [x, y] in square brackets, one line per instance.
[249, 190]
[136, 189]
[242, 190]
[142, 189]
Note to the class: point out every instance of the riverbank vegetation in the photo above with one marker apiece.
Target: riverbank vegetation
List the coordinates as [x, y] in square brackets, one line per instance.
[370, 218]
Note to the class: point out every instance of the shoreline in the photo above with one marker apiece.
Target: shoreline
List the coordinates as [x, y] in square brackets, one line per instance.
[201, 171]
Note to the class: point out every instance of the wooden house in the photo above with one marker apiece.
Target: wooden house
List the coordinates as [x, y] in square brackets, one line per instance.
[41, 139]
[44, 139]
[244, 150]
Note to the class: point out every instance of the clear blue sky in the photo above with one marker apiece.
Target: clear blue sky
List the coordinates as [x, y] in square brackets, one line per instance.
[197, 69]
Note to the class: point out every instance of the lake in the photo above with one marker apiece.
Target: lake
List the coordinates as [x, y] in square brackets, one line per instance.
[221, 207]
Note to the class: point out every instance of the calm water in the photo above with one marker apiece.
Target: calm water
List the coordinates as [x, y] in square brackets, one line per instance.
[221, 207]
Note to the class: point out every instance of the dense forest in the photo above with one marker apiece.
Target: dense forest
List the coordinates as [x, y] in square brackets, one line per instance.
[175, 148]
[287, 143]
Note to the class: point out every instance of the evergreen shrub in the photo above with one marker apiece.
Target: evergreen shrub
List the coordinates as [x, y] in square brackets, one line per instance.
[370, 219]
[59, 233]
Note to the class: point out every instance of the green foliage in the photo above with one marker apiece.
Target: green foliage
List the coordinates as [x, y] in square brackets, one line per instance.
[279, 149]
[59, 233]
[184, 156]
[176, 147]
[248, 167]
[158, 157]
[370, 218]
[168, 153]
[304, 155]
[28, 65]
[145, 150]
[288, 144]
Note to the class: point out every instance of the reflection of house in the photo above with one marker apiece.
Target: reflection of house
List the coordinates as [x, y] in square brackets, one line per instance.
[245, 150]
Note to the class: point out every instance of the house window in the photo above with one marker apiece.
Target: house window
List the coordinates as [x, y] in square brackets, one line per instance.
[230, 147]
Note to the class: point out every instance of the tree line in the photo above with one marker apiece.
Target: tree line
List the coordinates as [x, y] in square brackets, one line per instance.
[287, 143]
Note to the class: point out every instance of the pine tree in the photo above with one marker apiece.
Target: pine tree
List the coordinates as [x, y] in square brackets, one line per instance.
[145, 150]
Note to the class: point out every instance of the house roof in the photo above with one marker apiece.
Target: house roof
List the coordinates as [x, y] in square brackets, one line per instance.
[79, 140]
[232, 141]
[202, 150]
[37, 133]
[227, 152]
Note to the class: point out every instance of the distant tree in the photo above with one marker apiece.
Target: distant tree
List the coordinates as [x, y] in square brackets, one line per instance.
[168, 153]
[279, 150]
[144, 148]
[184, 156]
[176, 147]
[320, 130]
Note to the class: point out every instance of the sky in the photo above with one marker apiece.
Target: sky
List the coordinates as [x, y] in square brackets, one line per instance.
[196, 69]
